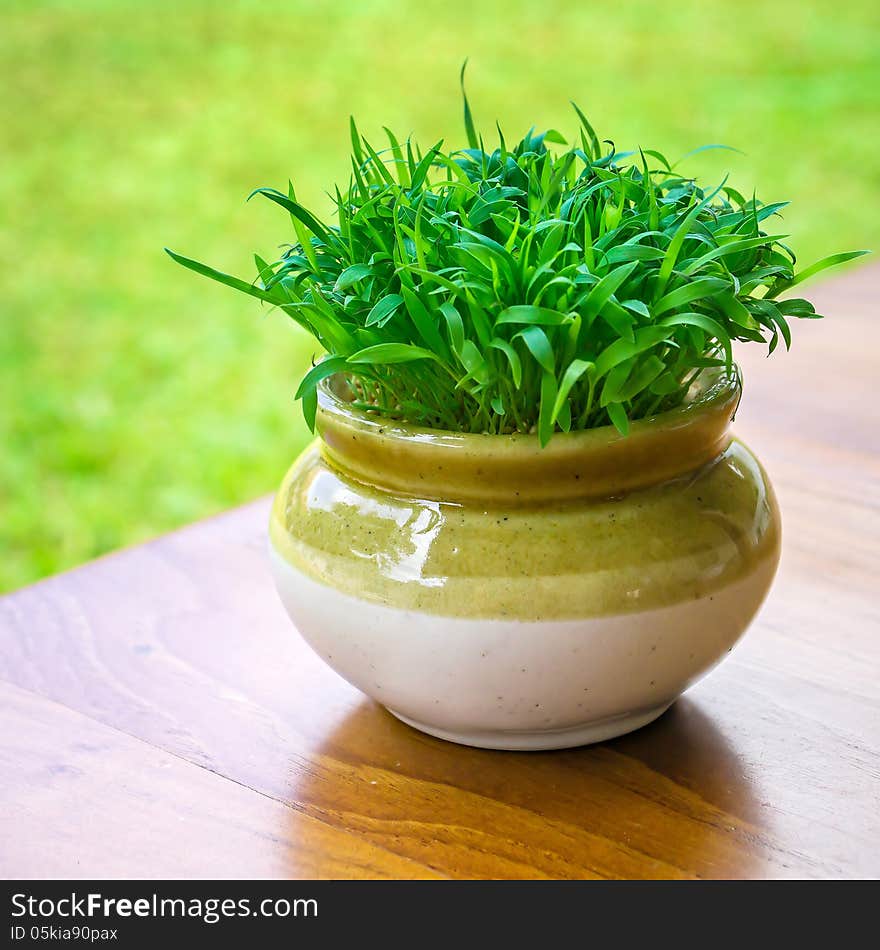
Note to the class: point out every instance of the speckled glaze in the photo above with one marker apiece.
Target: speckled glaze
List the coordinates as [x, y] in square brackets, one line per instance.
[499, 594]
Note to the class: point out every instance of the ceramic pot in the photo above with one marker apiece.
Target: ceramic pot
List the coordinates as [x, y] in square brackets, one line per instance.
[494, 593]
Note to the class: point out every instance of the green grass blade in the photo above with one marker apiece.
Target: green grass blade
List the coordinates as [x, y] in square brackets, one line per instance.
[383, 310]
[687, 293]
[831, 261]
[539, 316]
[576, 369]
[548, 401]
[595, 148]
[391, 353]
[469, 129]
[236, 283]
[299, 212]
[512, 358]
[327, 367]
[617, 415]
[606, 288]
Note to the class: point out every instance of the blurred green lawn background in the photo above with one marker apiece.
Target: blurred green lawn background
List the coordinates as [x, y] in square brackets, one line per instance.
[135, 396]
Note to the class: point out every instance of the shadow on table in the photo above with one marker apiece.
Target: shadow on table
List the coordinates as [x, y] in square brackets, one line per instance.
[670, 798]
[687, 746]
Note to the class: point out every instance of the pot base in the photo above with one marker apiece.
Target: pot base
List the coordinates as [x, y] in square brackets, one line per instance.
[544, 739]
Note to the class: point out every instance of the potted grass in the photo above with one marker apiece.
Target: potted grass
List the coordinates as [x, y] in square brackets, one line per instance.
[524, 523]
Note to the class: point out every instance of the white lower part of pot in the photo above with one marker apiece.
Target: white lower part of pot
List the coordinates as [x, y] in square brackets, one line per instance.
[522, 685]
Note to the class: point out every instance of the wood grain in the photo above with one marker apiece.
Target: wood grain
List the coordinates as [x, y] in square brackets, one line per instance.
[161, 718]
[85, 800]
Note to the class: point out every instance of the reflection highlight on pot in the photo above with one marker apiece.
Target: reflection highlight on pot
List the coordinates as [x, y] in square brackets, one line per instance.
[418, 524]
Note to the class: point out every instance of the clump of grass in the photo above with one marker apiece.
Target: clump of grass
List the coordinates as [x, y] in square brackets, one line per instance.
[527, 288]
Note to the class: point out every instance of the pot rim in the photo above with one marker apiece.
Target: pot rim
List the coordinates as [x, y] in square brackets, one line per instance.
[514, 468]
[711, 388]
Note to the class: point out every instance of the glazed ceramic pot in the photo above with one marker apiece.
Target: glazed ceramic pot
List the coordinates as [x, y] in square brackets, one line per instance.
[494, 593]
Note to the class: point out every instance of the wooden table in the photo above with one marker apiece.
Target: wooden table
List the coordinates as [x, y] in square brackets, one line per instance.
[160, 718]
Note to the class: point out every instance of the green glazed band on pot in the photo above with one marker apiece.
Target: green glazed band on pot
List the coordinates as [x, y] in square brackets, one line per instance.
[495, 593]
